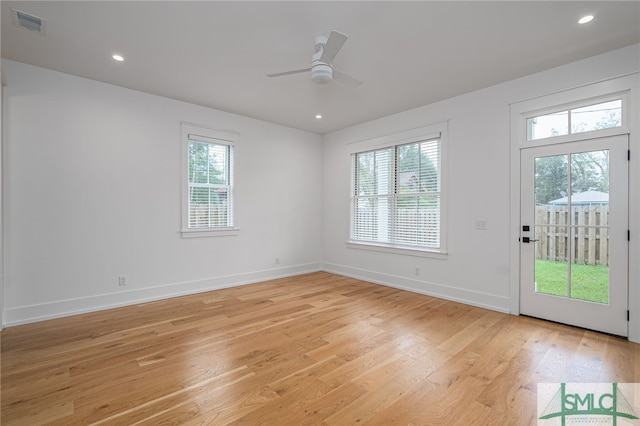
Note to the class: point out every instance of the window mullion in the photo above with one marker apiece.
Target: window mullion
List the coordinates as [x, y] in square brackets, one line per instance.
[569, 131]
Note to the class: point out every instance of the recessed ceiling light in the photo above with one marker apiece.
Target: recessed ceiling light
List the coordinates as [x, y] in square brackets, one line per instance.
[585, 19]
[318, 116]
[118, 58]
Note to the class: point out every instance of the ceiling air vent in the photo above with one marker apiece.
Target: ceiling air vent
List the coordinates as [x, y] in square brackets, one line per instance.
[30, 22]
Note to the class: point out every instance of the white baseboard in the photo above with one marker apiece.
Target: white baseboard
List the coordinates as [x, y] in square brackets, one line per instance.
[68, 307]
[475, 298]
[63, 308]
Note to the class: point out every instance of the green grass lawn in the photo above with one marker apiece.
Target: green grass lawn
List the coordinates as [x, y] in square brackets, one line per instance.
[588, 282]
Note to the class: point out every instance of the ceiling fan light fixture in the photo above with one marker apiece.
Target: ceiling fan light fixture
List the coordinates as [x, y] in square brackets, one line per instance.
[321, 73]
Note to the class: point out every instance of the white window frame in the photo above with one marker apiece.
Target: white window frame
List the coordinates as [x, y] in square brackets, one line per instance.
[524, 141]
[430, 132]
[205, 134]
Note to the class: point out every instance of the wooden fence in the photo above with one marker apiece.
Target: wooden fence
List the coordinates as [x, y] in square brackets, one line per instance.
[589, 231]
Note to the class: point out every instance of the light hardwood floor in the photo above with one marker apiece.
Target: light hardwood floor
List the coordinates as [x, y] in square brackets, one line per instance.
[317, 349]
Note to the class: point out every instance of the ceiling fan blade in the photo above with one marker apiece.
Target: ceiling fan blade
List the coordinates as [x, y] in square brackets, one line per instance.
[280, 74]
[333, 46]
[345, 79]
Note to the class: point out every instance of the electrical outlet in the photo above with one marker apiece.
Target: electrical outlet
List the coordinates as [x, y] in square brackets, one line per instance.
[481, 225]
[122, 280]
[417, 271]
[277, 260]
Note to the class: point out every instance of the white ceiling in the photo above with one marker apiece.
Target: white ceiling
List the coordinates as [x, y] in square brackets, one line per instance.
[407, 54]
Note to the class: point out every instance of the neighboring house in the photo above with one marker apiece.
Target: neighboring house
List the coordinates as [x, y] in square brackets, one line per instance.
[586, 198]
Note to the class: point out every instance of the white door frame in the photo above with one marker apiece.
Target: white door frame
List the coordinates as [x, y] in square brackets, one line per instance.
[628, 86]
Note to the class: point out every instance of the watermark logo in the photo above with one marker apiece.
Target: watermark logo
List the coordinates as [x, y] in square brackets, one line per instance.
[588, 404]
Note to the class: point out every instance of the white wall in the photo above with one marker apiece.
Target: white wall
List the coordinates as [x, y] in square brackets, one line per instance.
[93, 190]
[477, 269]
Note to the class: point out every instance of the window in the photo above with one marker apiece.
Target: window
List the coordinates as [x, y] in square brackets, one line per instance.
[208, 192]
[396, 197]
[588, 118]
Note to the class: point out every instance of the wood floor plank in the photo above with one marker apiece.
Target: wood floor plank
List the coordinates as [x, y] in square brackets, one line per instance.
[315, 349]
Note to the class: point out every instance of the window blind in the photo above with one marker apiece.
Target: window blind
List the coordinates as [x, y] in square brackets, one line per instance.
[396, 195]
[210, 183]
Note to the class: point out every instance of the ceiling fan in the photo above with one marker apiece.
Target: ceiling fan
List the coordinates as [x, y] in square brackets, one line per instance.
[322, 70]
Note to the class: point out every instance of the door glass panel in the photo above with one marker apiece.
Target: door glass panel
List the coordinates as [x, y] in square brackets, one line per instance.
[572, 225]
[552, 254]
[551, 225]
[590, 226]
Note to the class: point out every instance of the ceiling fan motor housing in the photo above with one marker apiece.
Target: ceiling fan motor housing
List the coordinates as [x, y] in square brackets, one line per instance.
[321, 72]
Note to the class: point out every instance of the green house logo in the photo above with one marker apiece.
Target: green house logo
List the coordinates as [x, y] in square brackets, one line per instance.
[589, 403]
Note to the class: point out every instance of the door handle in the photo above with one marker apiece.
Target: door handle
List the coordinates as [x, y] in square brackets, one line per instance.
[528, 240]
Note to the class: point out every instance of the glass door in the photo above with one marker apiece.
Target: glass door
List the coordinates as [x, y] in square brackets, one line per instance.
[574, 251]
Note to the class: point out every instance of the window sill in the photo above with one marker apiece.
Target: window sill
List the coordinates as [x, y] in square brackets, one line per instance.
[407, 251]
[199, 233]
